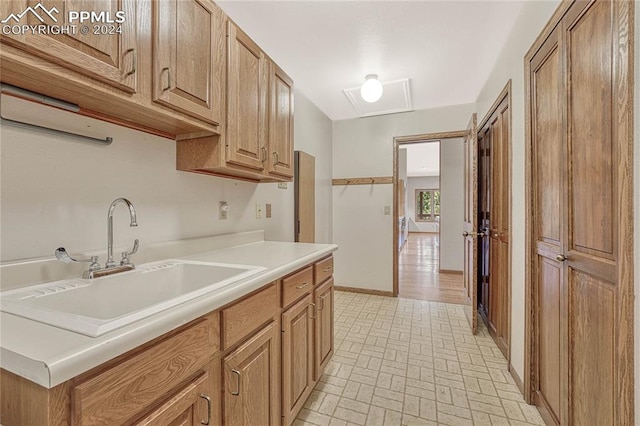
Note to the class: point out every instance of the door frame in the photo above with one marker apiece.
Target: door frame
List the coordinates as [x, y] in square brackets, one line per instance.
[625, 132]
[408, 140]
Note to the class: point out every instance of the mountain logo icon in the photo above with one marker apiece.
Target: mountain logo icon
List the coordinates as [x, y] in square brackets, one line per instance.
[34, 11]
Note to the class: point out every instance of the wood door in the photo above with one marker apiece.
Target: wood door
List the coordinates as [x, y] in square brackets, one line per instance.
[250, 381]
[106, 51]
[247, 108]
[495, 222]
[324, 327]
[188, 57]
[305, 198]
[297, 357]
[191, 406]
[580, 84]
[484, 221]
[280, 122]
[470, 220]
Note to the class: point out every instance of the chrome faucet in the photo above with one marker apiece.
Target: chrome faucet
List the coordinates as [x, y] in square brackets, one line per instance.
[110, 267]
[132, 213]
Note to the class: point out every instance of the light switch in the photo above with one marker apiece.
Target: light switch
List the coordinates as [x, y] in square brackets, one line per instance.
[267, 213]
[387, 210]
[223, 209]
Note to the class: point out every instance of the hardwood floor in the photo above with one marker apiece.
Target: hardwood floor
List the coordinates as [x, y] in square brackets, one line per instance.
[419, 272]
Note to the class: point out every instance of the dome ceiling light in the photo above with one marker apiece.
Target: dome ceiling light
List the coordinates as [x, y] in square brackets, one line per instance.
[371, 90]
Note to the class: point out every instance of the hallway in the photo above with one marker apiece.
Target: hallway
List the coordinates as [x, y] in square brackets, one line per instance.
[419, 275]
[411, 362]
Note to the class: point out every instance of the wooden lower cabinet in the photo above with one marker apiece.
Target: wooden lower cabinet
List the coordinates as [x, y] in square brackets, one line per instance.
[184, 408]
[297, 357]
[250, 381]
[323, 327]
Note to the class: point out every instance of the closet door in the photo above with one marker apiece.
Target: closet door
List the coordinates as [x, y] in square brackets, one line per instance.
[582, 275]
[550, 392]
[593, 258]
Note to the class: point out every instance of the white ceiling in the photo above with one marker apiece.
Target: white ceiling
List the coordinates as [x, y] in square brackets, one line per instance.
[423, 159]
[447, 48]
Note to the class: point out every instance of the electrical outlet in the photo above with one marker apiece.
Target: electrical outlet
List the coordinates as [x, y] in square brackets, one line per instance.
[223, 209]
[282, 185]
[387, 210]
[259, 210]
[267, 211]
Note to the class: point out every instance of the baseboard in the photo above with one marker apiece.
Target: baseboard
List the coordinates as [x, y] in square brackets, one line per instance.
[516, 379]
[450, 271]
[364, 291]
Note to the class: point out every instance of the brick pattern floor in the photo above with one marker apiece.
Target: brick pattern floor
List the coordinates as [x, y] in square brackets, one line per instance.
[412, 362]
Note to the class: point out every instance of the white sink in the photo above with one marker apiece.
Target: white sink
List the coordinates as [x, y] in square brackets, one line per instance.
[94, 307]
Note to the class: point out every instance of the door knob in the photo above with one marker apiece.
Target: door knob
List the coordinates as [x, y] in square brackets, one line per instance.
[481, 234]
[465, 234]
[561, 257]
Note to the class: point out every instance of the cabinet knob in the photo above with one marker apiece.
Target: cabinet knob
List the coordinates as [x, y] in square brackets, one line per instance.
[561, 257]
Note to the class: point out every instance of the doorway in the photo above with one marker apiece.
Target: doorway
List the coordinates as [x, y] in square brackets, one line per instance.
[420, 270]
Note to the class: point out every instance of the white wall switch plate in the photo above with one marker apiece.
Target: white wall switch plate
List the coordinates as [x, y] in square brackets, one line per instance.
[387, 210]
[259, 210]
[267, 211]
[282, 185]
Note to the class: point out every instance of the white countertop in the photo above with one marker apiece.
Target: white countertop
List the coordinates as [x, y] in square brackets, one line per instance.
[49, 355]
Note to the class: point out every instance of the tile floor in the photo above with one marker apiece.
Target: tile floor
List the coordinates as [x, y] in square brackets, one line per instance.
[411, 362]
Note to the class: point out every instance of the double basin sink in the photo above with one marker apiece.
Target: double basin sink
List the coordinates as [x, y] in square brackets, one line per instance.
[97, 306]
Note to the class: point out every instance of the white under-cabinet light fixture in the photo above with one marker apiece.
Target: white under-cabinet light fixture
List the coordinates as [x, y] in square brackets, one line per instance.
[371, 90]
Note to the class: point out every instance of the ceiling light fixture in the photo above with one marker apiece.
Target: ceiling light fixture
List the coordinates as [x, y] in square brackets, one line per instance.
[371, 89]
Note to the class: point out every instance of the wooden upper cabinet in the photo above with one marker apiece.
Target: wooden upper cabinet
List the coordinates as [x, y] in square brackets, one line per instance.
[106, 51]
[247, 119]
[188, 57]
[280, 122]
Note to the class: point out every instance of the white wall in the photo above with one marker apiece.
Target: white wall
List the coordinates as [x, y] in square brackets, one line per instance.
[312, 134]
[55, 191]
[363, 147]
[413, 183]
[451, 204]
[510, 65]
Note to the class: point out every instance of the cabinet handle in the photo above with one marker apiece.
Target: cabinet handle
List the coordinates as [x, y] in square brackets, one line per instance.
[327, 269]
[134, 61]
[321, 305]
[276, 158]
[301, 286]
[206, 398]
[313, 305]
[237, 373]
[168, 86]
[264, 155]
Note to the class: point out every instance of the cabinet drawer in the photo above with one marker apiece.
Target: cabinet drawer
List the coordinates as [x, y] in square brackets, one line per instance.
[239, 320]
[323, 269]
[117, 394]
[296, 286]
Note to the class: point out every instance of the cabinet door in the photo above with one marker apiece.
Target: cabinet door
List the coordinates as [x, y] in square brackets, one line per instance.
[192, 405]
[280, 122]
[250, 381]
[105, 49]
[297, 357]
[247, 120]
[188, 57]
[324, 327]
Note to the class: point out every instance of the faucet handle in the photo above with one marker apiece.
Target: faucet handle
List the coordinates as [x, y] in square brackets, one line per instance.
[126, 254]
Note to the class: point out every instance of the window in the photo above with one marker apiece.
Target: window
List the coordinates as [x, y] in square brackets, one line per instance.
[427, 205]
